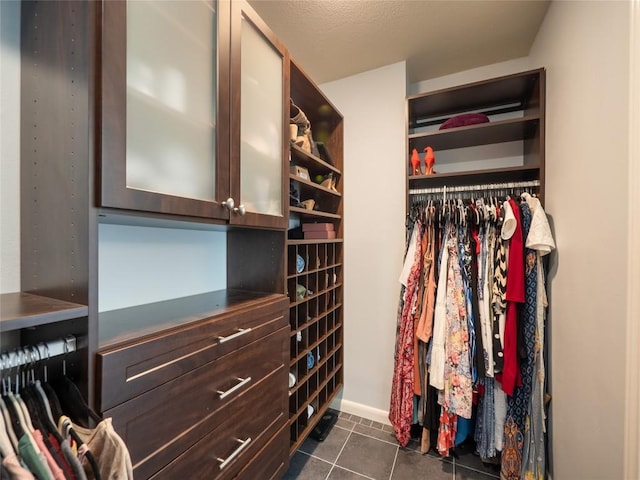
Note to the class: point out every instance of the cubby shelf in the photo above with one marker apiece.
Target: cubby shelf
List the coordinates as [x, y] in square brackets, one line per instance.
[505, 174]
[314, 214]
[320, 269]
[311, 187]
[316, 321]
[514, 106]
[302, 326]
[494, 132]
[304, 159]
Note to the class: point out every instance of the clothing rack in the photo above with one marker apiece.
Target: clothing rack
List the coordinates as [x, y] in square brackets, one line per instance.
[35, 353]
[474, 188]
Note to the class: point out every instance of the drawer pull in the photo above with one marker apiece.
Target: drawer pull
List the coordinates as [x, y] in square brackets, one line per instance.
[241, 331]
[243, 444]
[243, 382]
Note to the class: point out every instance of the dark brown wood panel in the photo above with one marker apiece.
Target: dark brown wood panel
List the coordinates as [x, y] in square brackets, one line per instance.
[513, 90]
[240, 10]
[156, 425]
[58, 222]
[256, 415]
[125, 325]
[256, 260]
[56, 140]
[484, 134]
[129, 370]
[111, 153]
[22, 310]
[271, 461]
[492, 175]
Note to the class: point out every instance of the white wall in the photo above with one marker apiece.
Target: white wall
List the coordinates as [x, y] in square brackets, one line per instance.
[374, 174]
[138, 265]
[9, 146]
[587, 168]
[587, 195]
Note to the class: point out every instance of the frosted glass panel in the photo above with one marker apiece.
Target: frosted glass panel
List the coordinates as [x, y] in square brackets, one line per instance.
[171, 97]
[261, 124]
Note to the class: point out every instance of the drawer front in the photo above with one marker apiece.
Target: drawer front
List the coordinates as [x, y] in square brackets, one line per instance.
[130, 370]
[271, 461]
[247, 424]
[162, 423]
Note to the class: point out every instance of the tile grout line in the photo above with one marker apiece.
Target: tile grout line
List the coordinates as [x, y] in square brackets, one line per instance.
[393, 466]
[354, 472]
[338, 456]
[313, 456]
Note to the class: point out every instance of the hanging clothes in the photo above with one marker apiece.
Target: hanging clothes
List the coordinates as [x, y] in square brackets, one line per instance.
[31, 446]
[469, 360]
[401, 408]
[541, 240]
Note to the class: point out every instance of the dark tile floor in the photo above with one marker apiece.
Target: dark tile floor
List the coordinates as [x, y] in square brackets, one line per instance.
[357, 448]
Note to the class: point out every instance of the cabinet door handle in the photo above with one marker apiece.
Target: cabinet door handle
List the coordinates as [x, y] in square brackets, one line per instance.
[241, 331]
[228, 203]
[240, 210]
[243, 444]
[243, 382]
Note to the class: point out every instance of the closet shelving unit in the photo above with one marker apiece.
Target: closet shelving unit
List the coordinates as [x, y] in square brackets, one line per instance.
[316, 319]
[516, 109]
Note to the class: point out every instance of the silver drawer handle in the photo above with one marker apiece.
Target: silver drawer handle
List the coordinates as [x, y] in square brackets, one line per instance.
[241, 331]
[243, 444]
[243, 382]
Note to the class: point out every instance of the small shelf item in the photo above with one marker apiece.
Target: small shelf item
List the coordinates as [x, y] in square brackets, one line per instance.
[429, 161]
[299, 171]
[300, 263]
[415, 162]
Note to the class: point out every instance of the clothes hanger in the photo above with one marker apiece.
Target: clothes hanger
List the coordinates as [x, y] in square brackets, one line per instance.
[43, 400]
[71, 399]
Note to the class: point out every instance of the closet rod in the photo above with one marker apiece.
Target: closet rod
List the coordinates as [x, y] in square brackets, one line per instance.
[475, 188]
[36, 353]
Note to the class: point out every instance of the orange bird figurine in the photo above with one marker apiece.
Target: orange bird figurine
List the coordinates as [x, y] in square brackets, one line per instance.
[415, 162]
[429, 161]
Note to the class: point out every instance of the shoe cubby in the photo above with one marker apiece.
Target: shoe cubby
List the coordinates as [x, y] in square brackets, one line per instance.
[315, 261]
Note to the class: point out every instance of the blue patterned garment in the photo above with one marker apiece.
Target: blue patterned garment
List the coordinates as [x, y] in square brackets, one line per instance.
[486, 421]
[466, 260]
[519, 403]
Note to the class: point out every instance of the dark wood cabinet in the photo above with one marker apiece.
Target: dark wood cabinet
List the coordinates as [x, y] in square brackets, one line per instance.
[137, 164]
[166, 392]
[466, 155]
[79, 110]
[259, 137]
[159, 149]
[315, 266]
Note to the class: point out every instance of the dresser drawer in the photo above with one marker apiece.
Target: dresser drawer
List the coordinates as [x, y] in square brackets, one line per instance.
[130, 370]
[246, 426]
[272, 461]
[164, 422]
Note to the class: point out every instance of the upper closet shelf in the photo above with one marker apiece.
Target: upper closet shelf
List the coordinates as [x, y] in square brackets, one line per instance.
[507, 94]
[310, 187]
[313, 214]
[24, 310]
[493, 175]
[304, 159]
[484, 134]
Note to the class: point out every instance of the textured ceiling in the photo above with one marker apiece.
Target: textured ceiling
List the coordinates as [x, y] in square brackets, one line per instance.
[333, 39]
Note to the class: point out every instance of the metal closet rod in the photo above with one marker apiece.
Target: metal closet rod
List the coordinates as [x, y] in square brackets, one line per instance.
[475, 188]
[35, 353]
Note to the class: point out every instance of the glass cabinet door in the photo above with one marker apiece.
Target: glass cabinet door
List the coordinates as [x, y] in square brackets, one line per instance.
[165, 106]
[258, 120]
